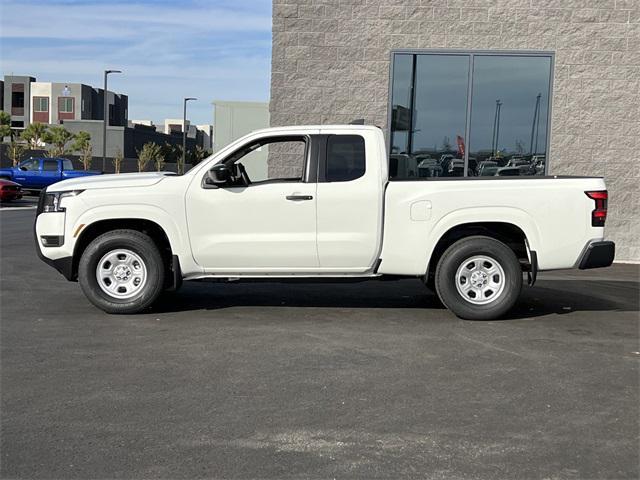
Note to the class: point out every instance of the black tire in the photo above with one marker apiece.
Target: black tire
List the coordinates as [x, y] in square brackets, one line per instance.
[133, 241]
[455, 257]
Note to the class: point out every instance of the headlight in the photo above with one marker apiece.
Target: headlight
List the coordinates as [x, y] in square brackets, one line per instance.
[52, 200]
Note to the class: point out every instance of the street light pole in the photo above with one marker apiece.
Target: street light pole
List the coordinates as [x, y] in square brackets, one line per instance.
[496, 129]
[184, 133]
[105, 116]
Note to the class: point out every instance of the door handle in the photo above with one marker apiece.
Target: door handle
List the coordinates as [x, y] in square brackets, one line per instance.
[299, 197]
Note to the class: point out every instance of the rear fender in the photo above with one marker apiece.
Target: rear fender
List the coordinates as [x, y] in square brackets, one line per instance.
[509, 215]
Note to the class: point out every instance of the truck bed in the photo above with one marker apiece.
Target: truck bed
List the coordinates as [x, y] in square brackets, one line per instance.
[553, 212]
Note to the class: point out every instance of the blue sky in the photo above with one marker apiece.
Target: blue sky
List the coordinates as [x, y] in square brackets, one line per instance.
[167, 49]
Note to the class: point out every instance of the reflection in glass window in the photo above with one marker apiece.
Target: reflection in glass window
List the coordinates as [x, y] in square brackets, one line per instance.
[439, 114]
[401, 103]
[509, 110]
[504, 122]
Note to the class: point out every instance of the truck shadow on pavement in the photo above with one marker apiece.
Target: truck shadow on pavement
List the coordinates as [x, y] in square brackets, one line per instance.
[546, 298]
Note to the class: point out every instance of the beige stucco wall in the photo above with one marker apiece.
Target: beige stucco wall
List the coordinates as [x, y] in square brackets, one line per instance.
[331, 64]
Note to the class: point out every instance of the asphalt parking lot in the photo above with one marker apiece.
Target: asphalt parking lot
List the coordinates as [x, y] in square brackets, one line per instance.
[27, 202]
[366, 380]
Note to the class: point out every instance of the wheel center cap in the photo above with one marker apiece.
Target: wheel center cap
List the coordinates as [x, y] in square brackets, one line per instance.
[121, 272]
[479, 279]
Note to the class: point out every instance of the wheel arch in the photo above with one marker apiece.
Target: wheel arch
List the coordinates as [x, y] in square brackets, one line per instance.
[508, 233]
[149, 227]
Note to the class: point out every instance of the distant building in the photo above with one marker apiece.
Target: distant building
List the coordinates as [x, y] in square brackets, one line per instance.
[127, 140]
[29, 101]
[16, 99]
[174, 125]
[202, 133]
[232, 120]
[207, 136]
[55, 102]
[147, 123]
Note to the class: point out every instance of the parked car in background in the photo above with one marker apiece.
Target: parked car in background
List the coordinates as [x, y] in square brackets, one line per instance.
[537, 166]
[453, 167]
[39, 173]
[517, 162]
[128, 238]
[509, 172]
[9, 191]
[487, 168]
[402, 165]
[428, 167]
[473, 166]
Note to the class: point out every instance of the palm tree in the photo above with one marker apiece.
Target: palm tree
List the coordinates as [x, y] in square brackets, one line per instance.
[33, 134]
[58, 136]
[5, 125]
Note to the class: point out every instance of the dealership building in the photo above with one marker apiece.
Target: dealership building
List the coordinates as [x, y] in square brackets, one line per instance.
[470, 88]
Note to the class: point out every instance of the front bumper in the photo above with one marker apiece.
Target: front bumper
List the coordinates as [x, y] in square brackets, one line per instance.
[63, 264]
[597, 255]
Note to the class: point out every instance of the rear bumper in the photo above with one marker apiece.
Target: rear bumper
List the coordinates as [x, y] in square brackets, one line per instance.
[597, 255]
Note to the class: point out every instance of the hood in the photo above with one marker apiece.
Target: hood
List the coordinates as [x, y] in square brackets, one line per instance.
[120, 180]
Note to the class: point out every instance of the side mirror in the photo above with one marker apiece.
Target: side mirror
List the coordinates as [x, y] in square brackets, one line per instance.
[220, 174]
[24, 169]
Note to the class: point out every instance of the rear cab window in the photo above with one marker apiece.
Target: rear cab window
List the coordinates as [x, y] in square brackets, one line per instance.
[345, 159]
[50, 165]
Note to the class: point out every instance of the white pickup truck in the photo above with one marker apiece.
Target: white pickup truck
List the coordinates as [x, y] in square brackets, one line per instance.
[317, 202]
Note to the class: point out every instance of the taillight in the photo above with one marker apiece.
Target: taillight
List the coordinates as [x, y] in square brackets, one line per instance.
[599, 215]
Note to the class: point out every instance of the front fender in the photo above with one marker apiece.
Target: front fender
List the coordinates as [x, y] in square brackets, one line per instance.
[6, 173]
[143, 212]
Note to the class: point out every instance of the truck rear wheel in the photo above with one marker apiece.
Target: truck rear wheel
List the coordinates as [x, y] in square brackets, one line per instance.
[478, 278]
[121, 271]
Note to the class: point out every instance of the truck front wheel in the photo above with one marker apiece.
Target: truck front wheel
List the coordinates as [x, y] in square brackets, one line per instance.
[478, 278]
[121, 271]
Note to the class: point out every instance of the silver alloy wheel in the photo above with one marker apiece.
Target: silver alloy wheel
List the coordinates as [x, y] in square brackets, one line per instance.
[480, 280]
[121, 273]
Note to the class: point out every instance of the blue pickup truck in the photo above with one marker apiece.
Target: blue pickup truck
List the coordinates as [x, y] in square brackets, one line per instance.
[39, 173]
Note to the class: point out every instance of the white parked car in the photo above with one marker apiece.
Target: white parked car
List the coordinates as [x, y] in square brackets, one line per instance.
[316, 201]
